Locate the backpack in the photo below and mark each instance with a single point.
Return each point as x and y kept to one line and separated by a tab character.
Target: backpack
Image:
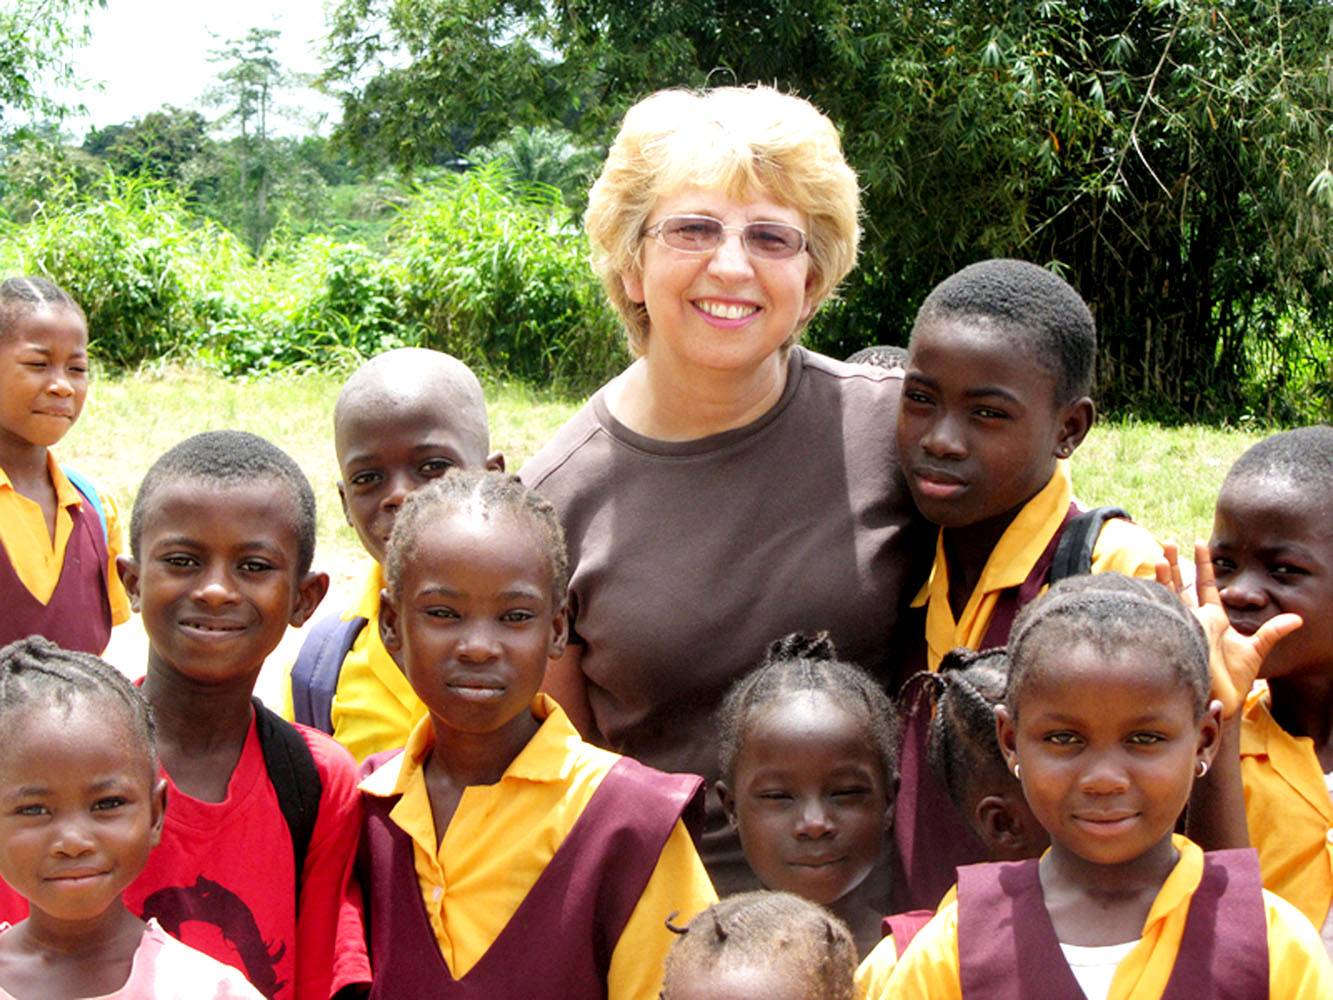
291	768
1073	553
317	668
81	483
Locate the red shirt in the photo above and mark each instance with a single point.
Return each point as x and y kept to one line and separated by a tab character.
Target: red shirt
222	879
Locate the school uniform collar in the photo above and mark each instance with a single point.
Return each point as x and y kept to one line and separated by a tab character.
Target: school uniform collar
1292	758
67	494
548	757
1018	549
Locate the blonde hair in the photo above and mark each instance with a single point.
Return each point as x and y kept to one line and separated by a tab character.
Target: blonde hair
742	140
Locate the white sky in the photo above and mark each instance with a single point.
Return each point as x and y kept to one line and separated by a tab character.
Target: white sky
147	53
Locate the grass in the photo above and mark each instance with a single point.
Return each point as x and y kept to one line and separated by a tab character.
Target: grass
1166	477
129	420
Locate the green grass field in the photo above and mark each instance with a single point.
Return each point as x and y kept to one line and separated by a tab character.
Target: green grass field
1166	477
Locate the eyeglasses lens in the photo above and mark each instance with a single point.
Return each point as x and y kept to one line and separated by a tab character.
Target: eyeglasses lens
700	234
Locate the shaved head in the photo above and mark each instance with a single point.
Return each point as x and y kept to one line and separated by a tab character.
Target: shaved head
412	376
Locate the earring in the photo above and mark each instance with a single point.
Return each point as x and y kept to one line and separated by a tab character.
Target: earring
1200	768
1018	772
1062	451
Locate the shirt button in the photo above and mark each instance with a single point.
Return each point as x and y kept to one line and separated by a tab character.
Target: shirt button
1329	836
437	892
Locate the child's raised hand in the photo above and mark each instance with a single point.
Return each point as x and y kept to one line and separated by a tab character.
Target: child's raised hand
1234	658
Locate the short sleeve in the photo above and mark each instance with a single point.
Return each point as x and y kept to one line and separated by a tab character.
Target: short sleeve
678	889
330	927
1126	547
1298	966
116	597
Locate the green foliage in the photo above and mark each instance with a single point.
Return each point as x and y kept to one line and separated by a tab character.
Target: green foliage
1173	159
499	277
36	37
160	144
541	155
477	264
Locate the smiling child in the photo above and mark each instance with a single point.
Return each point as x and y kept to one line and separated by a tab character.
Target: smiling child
255	864
60	536
808	768
1107	724
402	419
502	854
81	807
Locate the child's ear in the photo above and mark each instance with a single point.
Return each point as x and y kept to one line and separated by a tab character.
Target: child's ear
389	632
1075	421
1001	828
559	632
728	801
309	592
128	568
1210	734
495	461
159	811
1008	737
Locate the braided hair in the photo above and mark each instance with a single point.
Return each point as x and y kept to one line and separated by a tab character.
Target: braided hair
1110	612
760	928
800	662
488	495
961	748
35	672
22	296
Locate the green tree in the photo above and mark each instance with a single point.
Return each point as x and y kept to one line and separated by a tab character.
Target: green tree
159	144
247	90
541	155
36	38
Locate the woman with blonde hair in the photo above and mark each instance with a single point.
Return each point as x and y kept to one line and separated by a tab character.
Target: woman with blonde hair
729	486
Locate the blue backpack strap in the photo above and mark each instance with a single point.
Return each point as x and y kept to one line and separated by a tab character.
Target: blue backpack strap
318	664
81	483
1078	539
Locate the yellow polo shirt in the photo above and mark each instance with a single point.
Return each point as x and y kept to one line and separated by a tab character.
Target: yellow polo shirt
374	707
872	975
1122	547
38	558
502	837
1288	810
1298	966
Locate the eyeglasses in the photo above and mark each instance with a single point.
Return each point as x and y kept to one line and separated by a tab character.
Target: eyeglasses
704	234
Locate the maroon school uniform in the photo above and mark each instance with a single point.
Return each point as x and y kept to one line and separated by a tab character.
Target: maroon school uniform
559	942
78	615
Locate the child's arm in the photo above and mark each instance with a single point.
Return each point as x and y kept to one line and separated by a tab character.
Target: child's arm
330	938
1216	817
116	597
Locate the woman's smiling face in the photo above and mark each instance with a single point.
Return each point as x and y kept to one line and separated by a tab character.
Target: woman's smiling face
726	310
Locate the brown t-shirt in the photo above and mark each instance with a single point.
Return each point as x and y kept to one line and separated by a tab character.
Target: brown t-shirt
688	558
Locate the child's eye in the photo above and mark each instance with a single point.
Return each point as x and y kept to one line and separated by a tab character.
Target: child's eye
109	802
917	396
254	566
990	413
1223	566
441	611
518	615
180	561
31	809
774	795
1288	570
366	479
1146	739
850	792
436	467
1062	739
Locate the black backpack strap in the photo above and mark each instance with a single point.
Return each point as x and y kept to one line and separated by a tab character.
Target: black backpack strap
317	667
1073	554
291	768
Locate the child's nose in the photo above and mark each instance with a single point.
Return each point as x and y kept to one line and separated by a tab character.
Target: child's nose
1104	775
60	386
478	645
944	439
71	839
399	487
814	821
216	587
1243	590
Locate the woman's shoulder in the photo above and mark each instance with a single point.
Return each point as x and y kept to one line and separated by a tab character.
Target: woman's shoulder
574	437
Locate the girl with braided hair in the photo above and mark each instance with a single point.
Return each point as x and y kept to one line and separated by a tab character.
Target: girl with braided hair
81	807
774	945
809	762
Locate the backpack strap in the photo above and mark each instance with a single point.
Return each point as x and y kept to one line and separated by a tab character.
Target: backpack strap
291	768
1073	554
81	483
317	668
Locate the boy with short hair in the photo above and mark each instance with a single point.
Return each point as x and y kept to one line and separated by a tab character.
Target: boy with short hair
255	863
403	418
995	401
